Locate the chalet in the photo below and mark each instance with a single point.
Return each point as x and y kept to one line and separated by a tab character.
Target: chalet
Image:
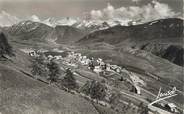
108	67
98	69
171	107
138	90
33	53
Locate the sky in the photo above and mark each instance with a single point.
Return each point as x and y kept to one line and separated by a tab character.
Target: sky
97	9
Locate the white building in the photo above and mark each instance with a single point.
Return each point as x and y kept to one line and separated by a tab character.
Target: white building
172	107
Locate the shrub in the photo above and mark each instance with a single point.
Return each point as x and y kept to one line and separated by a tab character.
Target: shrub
114	98
5	48
54	71
69	81
95	90
142	109
39	67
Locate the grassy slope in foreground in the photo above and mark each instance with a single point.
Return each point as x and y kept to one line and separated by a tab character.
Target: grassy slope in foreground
22	95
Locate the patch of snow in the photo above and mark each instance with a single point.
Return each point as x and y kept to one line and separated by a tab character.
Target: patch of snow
35	18
50	22
7	19
153	22
57	50
67	22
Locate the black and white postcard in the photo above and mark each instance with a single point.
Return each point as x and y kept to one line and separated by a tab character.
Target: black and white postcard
91	57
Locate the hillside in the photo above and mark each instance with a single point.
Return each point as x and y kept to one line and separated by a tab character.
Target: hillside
157	37
22	95
173	53
159	30
67	34
28	30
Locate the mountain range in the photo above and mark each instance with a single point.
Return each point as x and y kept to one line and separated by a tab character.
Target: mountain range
161	37
9	20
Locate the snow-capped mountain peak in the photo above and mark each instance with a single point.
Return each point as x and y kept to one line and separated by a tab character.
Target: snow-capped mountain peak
103	24
67	21
64	21
35	18
50	22
7	20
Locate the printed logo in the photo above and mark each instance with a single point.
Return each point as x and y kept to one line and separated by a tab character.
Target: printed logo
162	96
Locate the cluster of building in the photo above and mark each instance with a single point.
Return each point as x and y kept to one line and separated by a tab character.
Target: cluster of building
33	52
74	59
